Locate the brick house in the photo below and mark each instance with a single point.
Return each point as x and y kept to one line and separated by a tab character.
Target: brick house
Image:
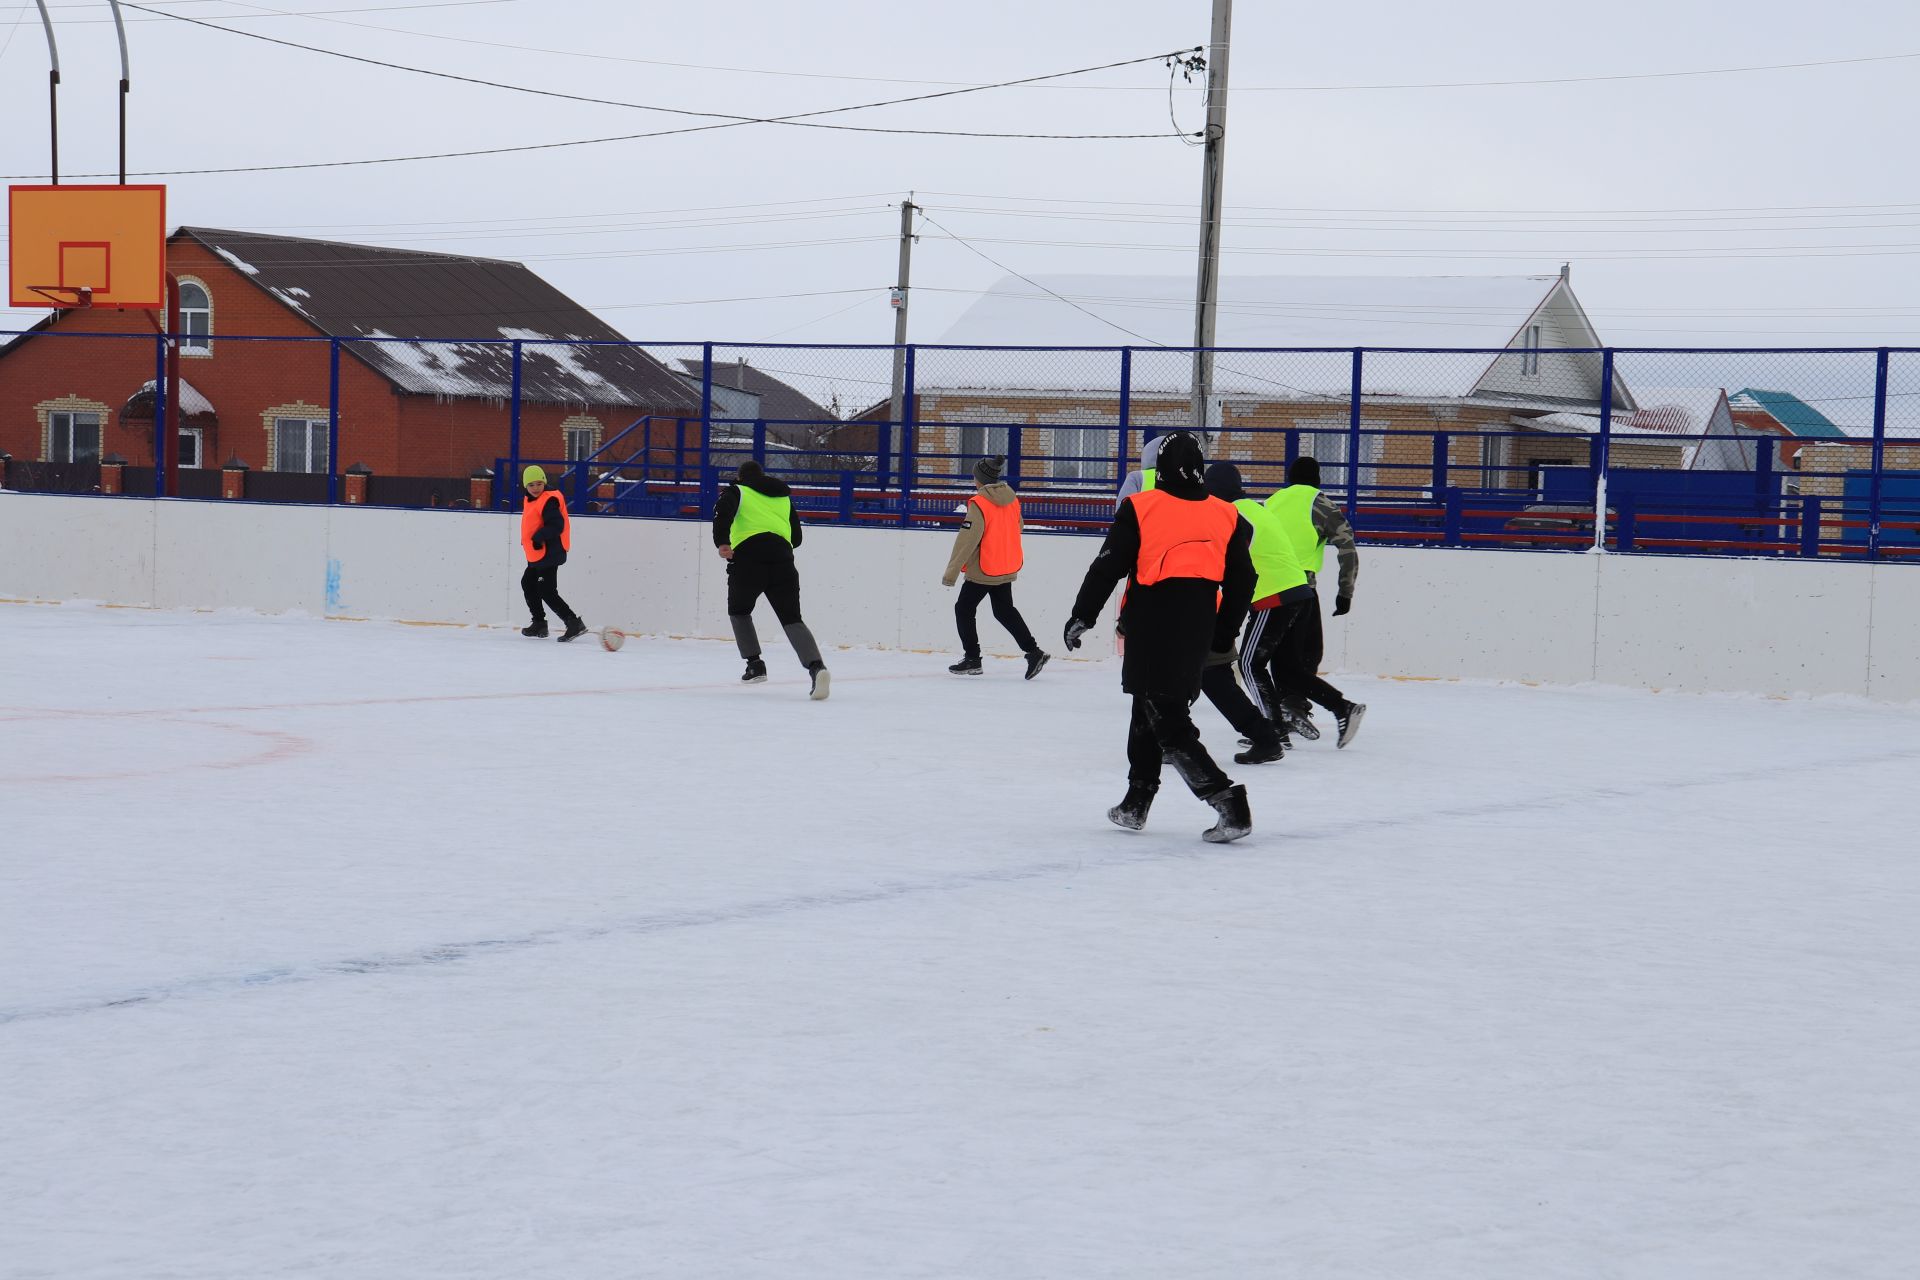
414	399
1504	415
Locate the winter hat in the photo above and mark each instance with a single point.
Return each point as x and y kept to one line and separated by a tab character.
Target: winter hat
1223	481
1181	461
1304	471
750	471
531	474
987	470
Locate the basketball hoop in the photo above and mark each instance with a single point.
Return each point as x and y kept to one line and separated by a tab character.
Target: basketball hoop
65	297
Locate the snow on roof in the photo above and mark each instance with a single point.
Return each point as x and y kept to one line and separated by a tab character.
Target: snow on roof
191	402
1679	410
1255	312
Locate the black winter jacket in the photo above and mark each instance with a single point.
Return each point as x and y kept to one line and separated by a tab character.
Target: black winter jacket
1173	625
547	537
763	547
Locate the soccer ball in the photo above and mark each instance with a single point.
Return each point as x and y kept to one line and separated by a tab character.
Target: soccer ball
611	640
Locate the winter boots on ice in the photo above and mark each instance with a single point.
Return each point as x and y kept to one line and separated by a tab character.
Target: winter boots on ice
822	682
1035	661
575	629
1262	753
537	629
756	672
1236	819
1131	812
966	667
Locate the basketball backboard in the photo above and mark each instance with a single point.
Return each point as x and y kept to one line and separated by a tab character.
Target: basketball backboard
99	246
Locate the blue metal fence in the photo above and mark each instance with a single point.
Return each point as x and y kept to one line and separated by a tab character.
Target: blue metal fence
1775	452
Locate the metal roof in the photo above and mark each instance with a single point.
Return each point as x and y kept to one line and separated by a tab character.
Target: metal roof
1790	411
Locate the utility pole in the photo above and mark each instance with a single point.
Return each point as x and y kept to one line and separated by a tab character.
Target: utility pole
53	90
1213	180
896	410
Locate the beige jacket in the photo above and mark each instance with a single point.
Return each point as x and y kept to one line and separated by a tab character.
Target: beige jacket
966	543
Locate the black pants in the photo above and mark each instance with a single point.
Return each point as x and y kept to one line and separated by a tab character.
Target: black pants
1231	701
1266	628
540	584
1000	598
1162	729
777	580
1296	663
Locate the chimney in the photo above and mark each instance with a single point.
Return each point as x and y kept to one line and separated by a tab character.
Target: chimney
1566	273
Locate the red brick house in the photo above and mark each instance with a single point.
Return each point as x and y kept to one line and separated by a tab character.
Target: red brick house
425	376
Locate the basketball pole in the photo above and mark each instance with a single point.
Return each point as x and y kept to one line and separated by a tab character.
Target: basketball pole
126	85
53	88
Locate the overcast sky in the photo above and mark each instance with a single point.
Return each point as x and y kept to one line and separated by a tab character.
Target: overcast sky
1773	207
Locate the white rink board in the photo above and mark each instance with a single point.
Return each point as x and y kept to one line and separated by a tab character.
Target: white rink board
1759	626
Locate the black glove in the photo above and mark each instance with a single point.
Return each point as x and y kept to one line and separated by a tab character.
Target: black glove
1075	629
540	539
1342	604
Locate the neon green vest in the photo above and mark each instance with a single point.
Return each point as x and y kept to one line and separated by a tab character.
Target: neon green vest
1294	506
1146	478
1273	560
760	514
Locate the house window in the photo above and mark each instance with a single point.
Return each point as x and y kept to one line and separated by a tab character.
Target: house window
190	444
1530	359
579	443
196	319
1082	453
300	444
977	443
73	437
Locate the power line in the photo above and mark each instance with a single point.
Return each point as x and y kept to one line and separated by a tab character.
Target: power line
276	13
1624	253
802	119
1178	204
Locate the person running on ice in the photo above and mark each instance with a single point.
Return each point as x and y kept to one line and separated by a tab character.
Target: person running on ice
1311	521
546	535
756	529
987	551
1183	554
1263	738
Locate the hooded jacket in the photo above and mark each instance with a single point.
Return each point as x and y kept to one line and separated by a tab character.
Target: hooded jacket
966	542
762	546
1135	481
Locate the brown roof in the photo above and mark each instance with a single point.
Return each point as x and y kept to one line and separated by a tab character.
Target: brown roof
445	320
778	400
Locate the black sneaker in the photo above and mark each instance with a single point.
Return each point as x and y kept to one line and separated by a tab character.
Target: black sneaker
1300	722
1349	722
1236	820
1131	812
1035	661
756	672
574	631
538	630
822	682
1261	755
966	667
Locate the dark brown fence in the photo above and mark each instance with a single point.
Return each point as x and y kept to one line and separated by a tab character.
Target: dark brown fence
54	477
416	491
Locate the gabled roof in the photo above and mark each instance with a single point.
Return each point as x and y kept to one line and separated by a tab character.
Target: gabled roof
1789	410
778	400
1255	311
366	291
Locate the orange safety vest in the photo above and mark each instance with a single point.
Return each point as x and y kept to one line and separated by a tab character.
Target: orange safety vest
530	520
999	553
1180	538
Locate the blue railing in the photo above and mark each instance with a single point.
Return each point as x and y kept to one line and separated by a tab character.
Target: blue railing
1777	452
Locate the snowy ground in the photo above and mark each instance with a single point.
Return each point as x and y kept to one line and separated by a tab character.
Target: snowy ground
353	950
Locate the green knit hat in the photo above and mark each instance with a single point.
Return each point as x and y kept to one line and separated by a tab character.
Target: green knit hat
531	474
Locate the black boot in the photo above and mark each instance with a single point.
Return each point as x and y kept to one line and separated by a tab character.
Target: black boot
1298	719
822	682
1262	752
575	629
1035	661
756	672
1131	812
1236	819
966	667
537	629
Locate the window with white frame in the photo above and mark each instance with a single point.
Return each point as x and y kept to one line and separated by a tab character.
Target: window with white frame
1082	453
300	444
191	442
1325	440
977	443
1530	358
73	437
196	319
580	443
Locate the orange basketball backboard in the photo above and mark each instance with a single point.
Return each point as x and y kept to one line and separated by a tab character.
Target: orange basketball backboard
87	246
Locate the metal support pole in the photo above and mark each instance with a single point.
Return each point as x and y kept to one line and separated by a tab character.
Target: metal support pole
167	444
709	494
1604	444
894	408
1874	487
1212	185
1126	413
159	410
126	85
907	460
333	421
511	481
53	91
1353	436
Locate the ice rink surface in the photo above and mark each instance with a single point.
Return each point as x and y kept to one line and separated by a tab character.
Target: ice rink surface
358	950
